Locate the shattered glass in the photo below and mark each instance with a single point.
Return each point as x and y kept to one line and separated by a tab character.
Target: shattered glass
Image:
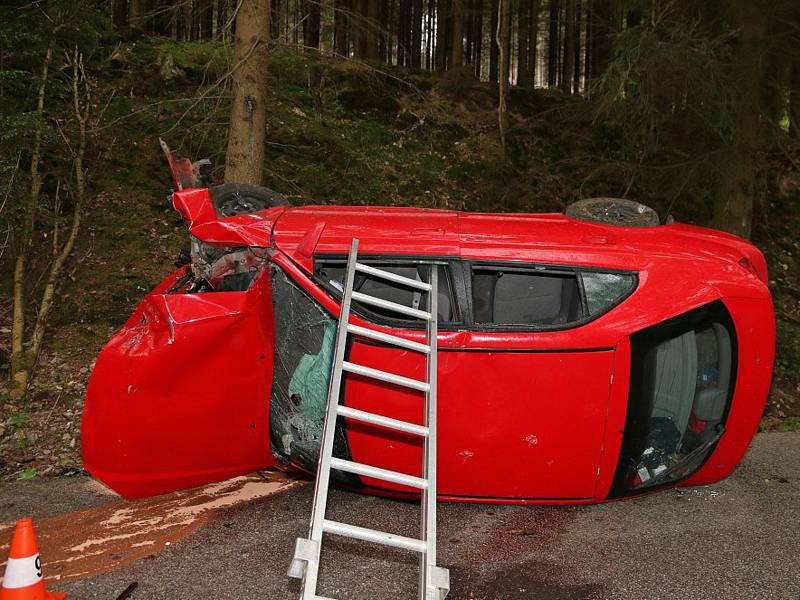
604	290
304	343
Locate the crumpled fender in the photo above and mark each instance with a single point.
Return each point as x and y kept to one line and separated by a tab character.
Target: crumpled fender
197	210
180	396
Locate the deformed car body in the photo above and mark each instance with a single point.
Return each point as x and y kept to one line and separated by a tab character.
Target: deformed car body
578	362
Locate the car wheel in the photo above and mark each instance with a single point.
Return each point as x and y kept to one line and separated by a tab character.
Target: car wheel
240	199
613	211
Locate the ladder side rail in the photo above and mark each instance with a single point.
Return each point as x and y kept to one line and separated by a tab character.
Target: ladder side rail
428	509
329	426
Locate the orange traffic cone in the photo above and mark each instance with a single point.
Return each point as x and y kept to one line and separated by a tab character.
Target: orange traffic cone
23	578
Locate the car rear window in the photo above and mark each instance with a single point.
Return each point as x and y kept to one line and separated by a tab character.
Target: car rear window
525	296
331	274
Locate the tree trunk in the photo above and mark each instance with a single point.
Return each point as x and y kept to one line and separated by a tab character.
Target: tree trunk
404	19
553	44
576	80
416	34
602	18
457	53
48	295
504	48
244	161
794	100
733	204
534	43
119	13
341	42
372	31
139	16
221	30
523	42
311	24
442	16
587	46
569	47
494	47
477	39
19	364
275	20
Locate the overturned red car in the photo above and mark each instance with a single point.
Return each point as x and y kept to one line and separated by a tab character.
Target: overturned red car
579	361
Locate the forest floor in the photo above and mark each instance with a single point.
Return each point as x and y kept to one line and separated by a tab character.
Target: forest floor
338	132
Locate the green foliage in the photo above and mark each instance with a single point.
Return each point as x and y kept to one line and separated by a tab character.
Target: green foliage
667	77
27	474
787	360
791	424
18	419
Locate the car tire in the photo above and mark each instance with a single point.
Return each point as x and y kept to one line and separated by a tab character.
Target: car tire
231	199
613	211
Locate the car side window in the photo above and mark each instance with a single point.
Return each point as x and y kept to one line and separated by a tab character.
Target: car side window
527	296
330	272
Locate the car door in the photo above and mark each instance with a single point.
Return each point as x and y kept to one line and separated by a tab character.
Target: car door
366	443
523	410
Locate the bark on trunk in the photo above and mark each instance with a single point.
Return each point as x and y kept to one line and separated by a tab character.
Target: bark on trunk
340	27
587	47
569	47
794	101
120	13
138	16
553	44
442	16
416	34
534	43
222	21
244	160
504	48
733	204
602	27
457	54
19	365
311	24
81	109
494	47
523	42
477	39
372	46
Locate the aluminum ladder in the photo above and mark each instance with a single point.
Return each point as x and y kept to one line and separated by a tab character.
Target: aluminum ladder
434	582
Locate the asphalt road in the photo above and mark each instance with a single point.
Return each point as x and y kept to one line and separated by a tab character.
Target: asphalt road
736	539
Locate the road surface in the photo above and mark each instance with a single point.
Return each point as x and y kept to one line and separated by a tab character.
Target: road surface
736	539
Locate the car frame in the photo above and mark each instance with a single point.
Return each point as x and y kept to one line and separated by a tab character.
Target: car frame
645	362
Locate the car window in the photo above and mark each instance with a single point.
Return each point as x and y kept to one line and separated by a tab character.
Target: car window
682	375
525	296
331	274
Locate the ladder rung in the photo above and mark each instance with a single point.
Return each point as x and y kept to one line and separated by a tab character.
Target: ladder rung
368	417
388	305
388	338
420	285
383	474
384	376
372	535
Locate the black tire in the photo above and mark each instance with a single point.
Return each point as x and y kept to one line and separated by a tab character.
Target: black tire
240	199
613	211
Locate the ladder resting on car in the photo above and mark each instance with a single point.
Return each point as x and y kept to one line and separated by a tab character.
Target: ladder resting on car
434	580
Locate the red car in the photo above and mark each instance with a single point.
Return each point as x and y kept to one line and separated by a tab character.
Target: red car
579	361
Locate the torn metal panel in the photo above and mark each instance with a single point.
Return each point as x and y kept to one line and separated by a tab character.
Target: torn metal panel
180	396
304	341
